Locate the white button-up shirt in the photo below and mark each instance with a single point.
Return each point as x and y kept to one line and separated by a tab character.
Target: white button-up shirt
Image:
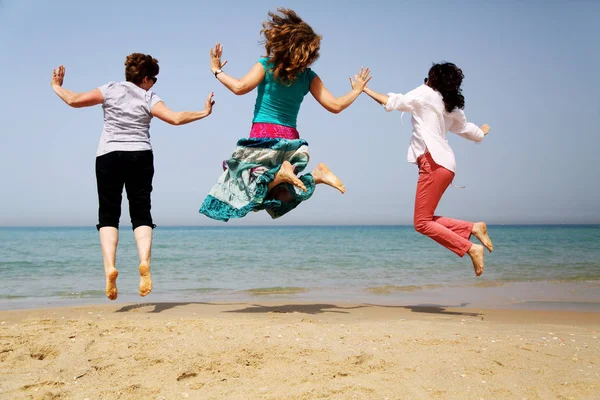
430	122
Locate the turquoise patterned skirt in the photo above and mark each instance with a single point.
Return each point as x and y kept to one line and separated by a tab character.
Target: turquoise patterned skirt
243	186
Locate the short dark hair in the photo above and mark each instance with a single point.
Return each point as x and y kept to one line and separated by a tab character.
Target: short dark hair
139	66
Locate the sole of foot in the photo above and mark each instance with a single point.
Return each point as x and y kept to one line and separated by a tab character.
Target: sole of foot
286	172
477	252
480	232
111	283
322	174
145	280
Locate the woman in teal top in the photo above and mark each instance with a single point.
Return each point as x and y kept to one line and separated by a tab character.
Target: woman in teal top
262	171
277	103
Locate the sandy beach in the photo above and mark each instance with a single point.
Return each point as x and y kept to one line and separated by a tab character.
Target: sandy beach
297	351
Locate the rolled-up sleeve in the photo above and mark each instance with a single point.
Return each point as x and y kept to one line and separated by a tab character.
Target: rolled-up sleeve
398	101
466	129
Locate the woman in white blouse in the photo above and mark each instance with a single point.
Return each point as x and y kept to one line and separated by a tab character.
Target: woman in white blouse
437	107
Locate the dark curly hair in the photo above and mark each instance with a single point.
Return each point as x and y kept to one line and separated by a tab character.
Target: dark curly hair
446	78
291	44
138	66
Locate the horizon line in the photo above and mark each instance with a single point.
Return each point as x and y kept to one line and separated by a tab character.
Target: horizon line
298	225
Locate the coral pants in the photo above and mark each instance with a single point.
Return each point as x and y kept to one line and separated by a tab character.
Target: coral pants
433	181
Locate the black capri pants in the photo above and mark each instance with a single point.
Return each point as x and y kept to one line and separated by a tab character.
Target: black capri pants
134	170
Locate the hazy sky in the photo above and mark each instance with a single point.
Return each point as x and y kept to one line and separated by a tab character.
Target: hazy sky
531	71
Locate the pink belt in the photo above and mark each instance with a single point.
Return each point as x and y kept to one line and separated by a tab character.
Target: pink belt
273	131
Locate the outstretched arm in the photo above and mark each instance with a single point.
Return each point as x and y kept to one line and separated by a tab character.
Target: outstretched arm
237	86
392	101
76	100
161	111
378	97
338	104
468	130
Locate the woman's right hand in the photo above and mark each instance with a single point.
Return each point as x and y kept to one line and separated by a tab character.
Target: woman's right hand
58	76
485	128
360	80
208	105
215	58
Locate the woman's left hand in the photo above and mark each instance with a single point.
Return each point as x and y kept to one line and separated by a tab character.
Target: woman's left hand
208	105
215	58
58	76
361	79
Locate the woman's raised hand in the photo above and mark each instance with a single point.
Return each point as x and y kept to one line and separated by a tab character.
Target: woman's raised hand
208	105
215	58
58	76
485	128
361	79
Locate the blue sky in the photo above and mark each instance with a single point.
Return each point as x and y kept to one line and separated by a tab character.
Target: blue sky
531	73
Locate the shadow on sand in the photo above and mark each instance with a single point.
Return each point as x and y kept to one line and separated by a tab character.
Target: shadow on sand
311	309
160	307
434	309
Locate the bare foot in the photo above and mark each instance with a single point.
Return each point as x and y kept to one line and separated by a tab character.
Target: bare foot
476	253
111	283
480	232
286	174
322	174
145	280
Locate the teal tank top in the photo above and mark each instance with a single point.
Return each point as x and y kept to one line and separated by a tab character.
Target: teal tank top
277	103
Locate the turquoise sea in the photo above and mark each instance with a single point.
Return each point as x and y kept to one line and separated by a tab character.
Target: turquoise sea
555	267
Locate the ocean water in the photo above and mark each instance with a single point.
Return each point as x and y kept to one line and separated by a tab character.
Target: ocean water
557	265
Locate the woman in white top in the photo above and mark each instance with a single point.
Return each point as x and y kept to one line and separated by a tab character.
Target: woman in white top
124	157
437	107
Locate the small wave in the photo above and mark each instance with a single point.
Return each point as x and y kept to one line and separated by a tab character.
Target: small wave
275	290
11	297
408	288
558	279
15	263
484	284
576	279
511	282
200	290
79	295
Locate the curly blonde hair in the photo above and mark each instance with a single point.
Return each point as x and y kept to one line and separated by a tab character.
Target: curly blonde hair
138	66
291	44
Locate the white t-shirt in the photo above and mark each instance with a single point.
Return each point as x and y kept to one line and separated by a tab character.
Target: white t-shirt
127	115
430	122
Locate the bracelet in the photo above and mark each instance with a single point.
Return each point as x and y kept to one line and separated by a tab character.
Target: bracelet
217	72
